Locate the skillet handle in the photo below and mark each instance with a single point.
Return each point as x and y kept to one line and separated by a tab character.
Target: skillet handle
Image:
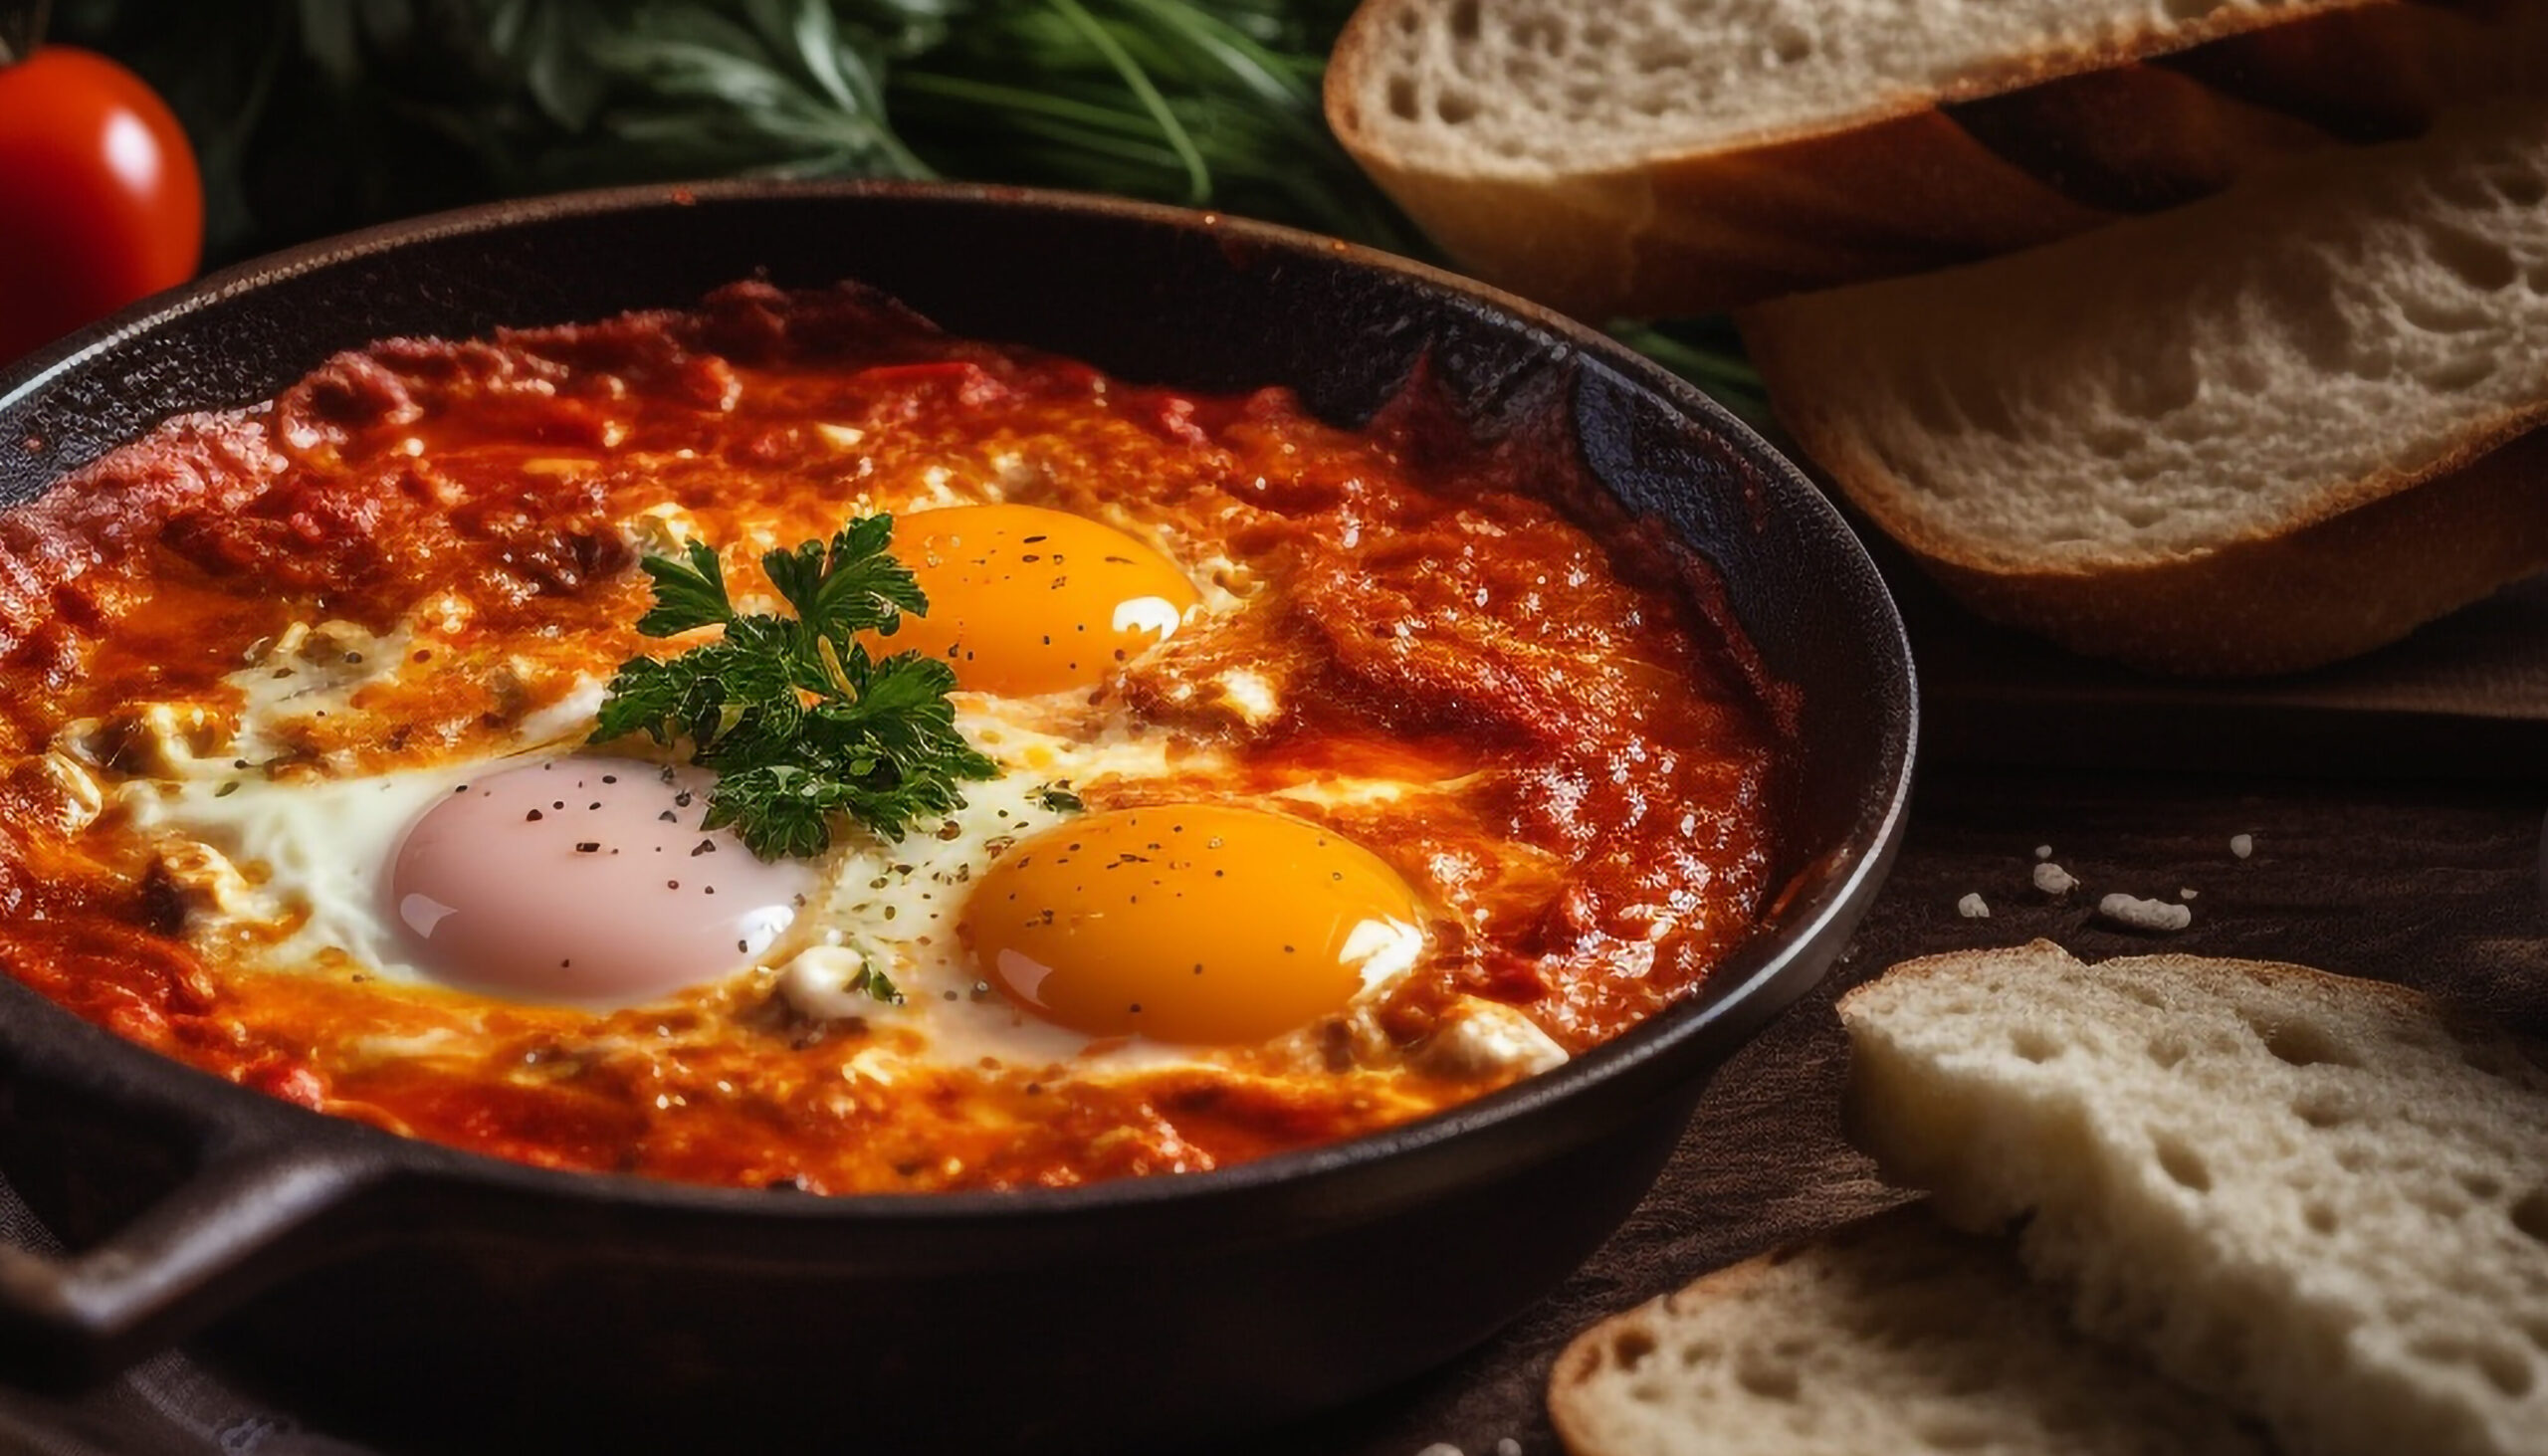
217	1238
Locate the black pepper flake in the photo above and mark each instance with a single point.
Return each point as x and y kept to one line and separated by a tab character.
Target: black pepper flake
711	890
704	846
669	817
588	846
534	817
672	884
681	800
557	805
595	805
610	778
744	946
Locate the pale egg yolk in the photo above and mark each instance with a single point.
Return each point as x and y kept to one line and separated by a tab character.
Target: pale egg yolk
584	881
1024	600
1203	924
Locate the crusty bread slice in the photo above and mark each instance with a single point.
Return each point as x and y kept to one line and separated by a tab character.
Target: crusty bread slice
2262	431
1892	1335
1672	157
2312	1195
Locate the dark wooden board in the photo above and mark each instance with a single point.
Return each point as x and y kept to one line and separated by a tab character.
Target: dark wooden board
2464	697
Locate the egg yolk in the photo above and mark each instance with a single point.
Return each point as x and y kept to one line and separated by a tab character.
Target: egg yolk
1203	924
1024	600
584	881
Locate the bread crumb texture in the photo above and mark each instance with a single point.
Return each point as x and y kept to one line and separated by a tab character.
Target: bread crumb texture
2228	370
1538	89
1892	1336
2312	1195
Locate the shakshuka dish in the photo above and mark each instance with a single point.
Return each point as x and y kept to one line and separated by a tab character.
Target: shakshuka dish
778	744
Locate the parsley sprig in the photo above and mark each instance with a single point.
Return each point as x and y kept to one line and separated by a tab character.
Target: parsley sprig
798	722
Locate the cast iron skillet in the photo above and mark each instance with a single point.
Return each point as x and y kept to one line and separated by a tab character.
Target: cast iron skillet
399	1287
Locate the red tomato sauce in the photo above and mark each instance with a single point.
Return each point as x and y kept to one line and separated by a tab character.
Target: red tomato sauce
1606	755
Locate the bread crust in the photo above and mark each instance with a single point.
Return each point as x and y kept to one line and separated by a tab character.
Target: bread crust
2353	581
1920	1325
2359	567
1902	184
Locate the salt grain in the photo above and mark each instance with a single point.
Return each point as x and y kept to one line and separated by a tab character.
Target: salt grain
2043	851
2145	915
2242	845
1972	908
2051	879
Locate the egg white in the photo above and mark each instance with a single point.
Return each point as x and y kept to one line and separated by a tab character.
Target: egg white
306	859
300	862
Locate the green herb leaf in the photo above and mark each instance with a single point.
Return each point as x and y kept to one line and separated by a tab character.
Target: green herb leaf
877	985
689	593
800	725
850	588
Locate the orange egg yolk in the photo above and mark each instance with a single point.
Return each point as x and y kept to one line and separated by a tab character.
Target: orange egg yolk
1190	922
1024	600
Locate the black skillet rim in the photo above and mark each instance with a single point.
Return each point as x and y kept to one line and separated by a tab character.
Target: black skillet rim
1635	1067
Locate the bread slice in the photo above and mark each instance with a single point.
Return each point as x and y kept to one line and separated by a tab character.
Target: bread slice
2311	1195
1674	156
2259	432
1892	1335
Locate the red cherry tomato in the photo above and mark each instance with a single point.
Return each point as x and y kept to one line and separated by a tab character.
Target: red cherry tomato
100	200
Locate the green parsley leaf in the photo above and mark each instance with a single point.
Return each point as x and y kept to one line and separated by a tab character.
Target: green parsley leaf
877	985
688	594
801	725
852	586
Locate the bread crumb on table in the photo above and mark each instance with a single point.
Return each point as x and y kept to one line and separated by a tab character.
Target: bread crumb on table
1973	908
2051	879
2145	915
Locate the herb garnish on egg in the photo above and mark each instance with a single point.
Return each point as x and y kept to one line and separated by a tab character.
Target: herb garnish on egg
795	717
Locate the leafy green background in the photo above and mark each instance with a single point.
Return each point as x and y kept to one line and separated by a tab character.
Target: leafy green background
313	116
